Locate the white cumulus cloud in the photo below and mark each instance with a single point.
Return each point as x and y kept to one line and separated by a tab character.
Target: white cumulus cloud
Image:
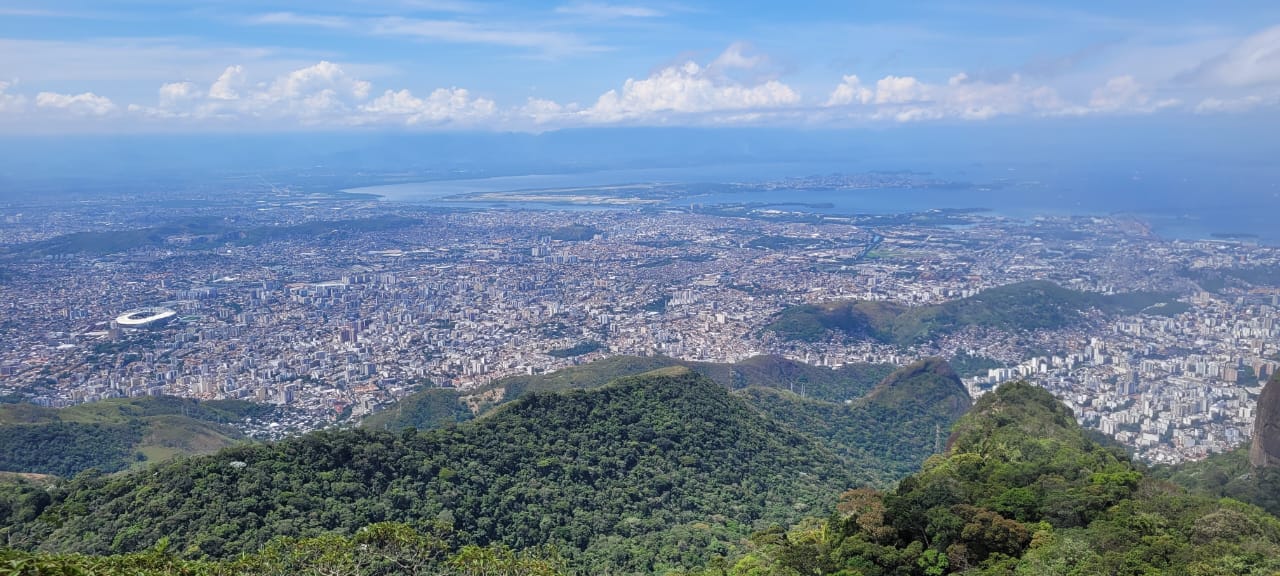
900	90
452	105
1118	92
175	93
736	86
322	77
227	86
1122	94
909	99
322	94
315	93
736	57
690	89
851	91
978	100
542	111
87	103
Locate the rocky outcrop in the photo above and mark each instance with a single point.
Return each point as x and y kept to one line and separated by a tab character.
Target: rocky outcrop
1265	451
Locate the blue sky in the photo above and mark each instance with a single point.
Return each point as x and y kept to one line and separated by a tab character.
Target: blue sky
196	66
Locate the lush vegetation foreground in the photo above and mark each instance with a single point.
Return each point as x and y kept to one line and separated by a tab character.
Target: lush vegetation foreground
1022	490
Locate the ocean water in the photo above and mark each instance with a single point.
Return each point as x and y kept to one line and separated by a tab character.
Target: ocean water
1192	202
718	173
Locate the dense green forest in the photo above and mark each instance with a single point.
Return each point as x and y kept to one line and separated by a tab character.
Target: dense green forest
383	549
888	433
1022	490
436	407
1228	475
1024	306
885	429
115	434
649	473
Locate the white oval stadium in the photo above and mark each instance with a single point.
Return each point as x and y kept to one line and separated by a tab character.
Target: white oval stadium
145	317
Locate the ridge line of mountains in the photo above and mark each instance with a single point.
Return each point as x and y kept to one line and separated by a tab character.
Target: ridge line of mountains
615	471
667	472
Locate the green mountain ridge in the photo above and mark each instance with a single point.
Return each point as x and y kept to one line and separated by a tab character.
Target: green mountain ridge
886	429
887	433
1024	306
618	476
115	434
436	407
941	389
1022	490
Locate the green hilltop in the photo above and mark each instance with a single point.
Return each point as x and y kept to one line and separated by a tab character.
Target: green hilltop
887	433
116	434
885	422
574	233
435	407
1022	490
645	474
649	475
1024	306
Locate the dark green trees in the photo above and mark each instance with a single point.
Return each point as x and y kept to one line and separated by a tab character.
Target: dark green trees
649	473
1022	491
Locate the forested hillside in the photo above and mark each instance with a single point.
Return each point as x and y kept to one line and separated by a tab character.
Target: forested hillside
884	421
626	480
436	407
1228	475
1023	306
115	434
383	549
888	433
646	474
1022	490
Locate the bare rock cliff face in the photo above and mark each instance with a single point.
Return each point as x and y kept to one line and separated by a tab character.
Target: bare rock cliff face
1266	426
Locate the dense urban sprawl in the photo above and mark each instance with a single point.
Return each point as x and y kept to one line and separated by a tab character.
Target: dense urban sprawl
334	324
